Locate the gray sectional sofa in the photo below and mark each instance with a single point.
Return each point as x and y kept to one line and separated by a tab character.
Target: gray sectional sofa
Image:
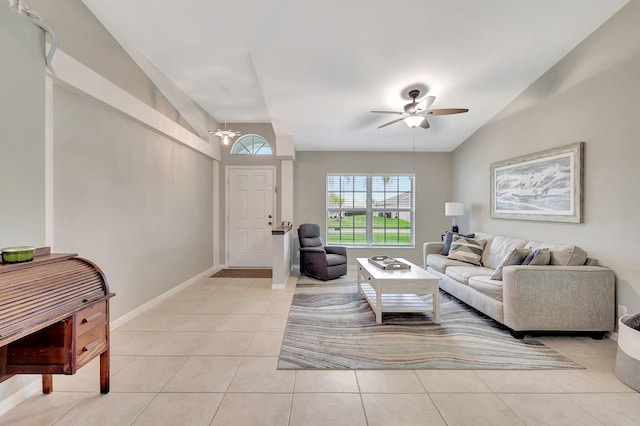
569	294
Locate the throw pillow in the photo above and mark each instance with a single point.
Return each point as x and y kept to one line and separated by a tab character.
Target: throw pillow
448	239
466	249
540	256
514	257
562	254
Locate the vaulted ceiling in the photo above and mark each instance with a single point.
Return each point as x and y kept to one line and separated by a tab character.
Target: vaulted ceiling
314	69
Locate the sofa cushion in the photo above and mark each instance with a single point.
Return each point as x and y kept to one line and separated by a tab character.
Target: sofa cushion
487	286
448	239
466	249
514	257
488	238
562	254
484	236
463	273
498	249
539	256
439	262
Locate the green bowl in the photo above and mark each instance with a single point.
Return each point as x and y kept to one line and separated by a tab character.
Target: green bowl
17	254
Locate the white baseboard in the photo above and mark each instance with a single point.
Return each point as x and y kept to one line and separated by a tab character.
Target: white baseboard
283	284
161	298
24	391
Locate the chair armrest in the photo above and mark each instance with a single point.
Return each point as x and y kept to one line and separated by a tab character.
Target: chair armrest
559	298
336	250
432	247
314	256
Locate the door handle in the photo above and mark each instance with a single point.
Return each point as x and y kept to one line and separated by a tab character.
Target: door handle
269	218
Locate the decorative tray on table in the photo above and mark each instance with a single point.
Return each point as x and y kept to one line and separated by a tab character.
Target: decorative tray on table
387	263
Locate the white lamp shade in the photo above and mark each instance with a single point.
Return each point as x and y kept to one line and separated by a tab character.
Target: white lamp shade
413	121
453	209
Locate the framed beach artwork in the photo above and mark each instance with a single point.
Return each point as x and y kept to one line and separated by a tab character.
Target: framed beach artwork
545	186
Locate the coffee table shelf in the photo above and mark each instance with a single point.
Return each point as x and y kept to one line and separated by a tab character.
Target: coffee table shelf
396	302
398	290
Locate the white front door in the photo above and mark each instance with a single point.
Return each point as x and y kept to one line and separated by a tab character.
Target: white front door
250	216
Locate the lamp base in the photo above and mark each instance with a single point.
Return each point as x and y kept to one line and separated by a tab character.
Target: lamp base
454	228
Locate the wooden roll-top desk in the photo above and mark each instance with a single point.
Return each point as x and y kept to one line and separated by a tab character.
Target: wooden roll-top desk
54	317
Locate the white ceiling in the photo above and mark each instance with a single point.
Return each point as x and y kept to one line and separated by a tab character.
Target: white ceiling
314	69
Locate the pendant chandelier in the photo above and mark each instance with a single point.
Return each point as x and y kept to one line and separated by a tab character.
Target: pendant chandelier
225	135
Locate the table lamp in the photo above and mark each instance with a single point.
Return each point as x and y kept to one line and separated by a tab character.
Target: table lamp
454	209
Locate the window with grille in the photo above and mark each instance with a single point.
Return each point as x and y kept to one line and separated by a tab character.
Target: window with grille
370	210
252	145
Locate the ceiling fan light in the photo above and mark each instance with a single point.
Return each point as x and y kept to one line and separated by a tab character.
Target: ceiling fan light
413	121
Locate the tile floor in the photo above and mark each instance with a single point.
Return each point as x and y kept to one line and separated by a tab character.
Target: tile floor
208	356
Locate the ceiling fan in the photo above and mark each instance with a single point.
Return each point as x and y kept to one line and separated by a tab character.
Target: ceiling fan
415	113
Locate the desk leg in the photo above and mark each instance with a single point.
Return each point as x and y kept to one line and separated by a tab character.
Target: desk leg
47	383
359	286
104	372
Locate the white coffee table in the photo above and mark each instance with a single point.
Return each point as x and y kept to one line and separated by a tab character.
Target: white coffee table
397	290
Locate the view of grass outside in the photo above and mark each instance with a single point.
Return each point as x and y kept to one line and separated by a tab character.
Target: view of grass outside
353	230
378	206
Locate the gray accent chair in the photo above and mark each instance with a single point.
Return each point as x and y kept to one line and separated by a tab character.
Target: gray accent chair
316	259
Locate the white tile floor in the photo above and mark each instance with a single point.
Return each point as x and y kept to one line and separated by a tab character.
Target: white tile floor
208	356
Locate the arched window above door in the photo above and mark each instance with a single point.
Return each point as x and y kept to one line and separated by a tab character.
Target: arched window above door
252	145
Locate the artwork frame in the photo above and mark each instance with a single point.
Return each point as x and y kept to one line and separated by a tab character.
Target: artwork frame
543	186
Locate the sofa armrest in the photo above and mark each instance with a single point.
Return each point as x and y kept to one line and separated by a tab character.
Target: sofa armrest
336	250
432	247
580	298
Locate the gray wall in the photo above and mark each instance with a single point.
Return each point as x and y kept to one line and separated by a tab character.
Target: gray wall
134	202
433	189
82	36
22	147
591	96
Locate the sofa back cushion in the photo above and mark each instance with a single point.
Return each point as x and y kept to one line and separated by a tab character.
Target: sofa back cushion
562	254
484	236
466	249
498	249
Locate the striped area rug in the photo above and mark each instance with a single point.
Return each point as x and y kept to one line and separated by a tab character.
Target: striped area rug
331	326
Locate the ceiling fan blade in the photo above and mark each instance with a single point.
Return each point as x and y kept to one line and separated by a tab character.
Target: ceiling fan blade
425	124
424	104
387	112
411	107
391	122
447	111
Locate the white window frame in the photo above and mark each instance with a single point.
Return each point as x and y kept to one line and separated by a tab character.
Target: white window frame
253	150
370	210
